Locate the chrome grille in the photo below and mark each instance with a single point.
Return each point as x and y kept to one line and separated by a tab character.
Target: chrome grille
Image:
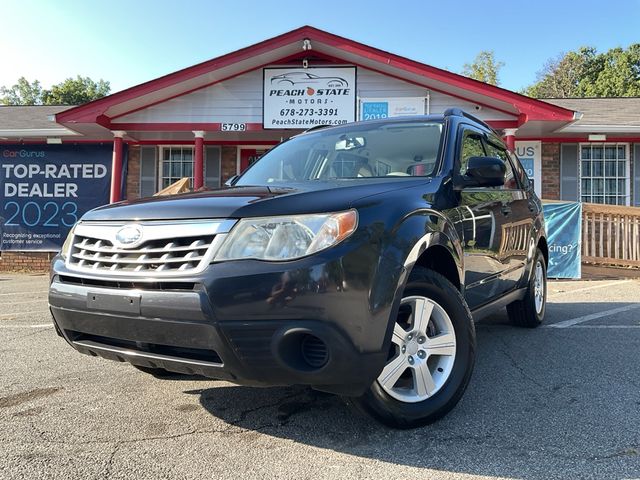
165	248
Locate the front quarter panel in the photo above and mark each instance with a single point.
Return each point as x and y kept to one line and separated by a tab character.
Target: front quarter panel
401	227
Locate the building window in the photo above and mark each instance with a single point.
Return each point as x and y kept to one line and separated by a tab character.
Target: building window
176	162
604	173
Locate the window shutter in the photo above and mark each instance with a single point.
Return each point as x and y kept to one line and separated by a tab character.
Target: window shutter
148	169
569	172
212	167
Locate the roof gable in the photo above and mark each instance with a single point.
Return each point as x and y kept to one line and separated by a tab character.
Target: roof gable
288	47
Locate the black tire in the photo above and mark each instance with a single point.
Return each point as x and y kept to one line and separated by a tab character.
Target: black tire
390	411
156	372
523	313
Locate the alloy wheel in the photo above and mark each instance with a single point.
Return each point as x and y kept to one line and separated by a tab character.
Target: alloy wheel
539	287
423	350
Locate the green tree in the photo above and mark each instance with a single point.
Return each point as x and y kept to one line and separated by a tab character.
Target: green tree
561	76
70	92
76	91
587	73
484	68
616	73
22	93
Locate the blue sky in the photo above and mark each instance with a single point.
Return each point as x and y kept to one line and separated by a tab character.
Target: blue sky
129	42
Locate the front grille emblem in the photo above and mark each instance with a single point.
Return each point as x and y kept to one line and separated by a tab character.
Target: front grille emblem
129	235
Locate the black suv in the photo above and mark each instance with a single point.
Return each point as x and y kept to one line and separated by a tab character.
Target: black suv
353	259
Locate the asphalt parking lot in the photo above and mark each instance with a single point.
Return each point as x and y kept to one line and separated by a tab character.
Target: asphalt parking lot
562	401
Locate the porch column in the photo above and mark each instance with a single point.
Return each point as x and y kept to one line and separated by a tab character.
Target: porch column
198	164
116	167
510	138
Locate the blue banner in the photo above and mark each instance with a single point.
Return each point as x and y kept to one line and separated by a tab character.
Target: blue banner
564	235
45	189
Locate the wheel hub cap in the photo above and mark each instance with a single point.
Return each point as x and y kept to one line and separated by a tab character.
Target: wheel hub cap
412	347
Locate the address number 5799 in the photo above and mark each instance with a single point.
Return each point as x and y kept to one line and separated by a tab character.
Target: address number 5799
233	127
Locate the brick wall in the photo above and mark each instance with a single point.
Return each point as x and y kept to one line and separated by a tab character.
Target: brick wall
228	162
25	261
551	171
133	174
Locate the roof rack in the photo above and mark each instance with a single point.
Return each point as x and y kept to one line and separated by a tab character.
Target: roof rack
458	112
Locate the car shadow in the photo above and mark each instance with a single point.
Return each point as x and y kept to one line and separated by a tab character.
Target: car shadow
532	410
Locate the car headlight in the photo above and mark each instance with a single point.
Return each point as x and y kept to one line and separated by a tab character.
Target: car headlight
66	246
286	238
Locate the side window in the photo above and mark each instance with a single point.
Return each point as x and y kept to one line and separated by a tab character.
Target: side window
510	181
471	147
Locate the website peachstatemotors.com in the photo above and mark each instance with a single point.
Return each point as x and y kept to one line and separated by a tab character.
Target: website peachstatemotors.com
306	122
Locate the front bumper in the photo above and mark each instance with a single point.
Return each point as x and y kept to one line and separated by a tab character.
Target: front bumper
249	322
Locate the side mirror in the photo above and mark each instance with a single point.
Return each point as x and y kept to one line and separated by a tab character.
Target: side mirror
231	181
484	172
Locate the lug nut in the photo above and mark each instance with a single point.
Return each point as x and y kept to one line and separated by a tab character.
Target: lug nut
411	360
421	354
421	339
404	348
410	336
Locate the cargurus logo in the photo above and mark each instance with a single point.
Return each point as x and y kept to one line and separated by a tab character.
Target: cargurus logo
23	154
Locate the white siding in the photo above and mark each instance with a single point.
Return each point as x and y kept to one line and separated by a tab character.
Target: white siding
239	100
439	102
376	85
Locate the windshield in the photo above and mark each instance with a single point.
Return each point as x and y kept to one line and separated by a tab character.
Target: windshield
358	151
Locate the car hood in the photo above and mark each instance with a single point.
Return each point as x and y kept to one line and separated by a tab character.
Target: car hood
253	201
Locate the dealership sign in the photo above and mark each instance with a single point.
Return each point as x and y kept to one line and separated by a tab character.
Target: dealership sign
307	97
45	189
530	155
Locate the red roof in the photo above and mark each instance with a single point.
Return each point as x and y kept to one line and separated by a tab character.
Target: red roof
325	45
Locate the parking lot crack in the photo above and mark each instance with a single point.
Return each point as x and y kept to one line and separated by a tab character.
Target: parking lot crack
108	466
150	438
514	363
632	451
31	334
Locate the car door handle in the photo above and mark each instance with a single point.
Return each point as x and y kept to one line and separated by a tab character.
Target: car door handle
506	209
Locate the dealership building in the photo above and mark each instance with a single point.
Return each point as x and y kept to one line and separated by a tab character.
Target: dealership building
212	120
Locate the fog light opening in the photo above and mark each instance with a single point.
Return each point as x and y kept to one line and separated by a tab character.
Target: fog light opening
302	351
314	351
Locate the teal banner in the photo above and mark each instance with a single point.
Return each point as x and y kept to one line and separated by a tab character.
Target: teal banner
564	235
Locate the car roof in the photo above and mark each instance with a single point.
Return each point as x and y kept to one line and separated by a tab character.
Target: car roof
455	114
